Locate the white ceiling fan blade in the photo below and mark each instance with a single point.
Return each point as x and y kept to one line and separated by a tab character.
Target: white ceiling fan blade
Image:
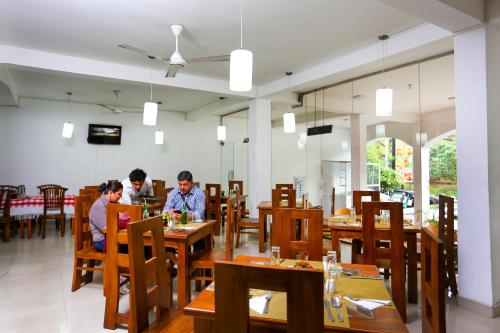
208	59
172	70
141	51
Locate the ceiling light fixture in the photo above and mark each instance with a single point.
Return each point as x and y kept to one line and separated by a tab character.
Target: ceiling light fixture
383	104
241	63
68	127
159	137
289	122
150	108
221	133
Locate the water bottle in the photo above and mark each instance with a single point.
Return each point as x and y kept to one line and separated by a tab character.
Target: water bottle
184	214
145	211
353	215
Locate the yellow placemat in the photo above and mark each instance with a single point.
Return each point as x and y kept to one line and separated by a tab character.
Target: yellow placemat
342	218
365	288
189	226
277	304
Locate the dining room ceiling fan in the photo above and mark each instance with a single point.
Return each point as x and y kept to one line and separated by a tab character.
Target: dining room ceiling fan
114	109
175	61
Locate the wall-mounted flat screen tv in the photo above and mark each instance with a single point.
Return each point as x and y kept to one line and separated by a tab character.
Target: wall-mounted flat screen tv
104	134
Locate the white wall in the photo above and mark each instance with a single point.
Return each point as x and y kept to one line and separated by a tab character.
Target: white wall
37	154
288	161
236	131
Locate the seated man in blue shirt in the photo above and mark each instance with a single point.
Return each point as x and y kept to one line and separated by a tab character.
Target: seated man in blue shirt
186	193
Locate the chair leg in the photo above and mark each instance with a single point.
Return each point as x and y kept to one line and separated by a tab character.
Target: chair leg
21	227
29	223
89	275
77	275
237	235
44	226
63	223
6	231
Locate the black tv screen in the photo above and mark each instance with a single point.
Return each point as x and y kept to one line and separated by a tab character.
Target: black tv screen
104	134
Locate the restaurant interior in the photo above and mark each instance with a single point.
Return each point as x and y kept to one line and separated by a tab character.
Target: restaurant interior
343	154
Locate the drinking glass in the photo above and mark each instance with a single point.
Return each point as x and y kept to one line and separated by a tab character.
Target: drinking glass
275	255
157	212
353	215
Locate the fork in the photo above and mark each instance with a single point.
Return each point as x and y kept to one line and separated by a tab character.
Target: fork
267	297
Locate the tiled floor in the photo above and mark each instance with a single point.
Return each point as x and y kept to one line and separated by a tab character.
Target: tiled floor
35	291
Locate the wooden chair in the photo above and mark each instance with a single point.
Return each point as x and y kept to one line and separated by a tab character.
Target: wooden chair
92	187
432	283
392	257
5	218
149	278
277	202
158	186
304	290
357	198
214	210
116	263
292	242
236	186
203	266
245	225
53	206
85	256
447	235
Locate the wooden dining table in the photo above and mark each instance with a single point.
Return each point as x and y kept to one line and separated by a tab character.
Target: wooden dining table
341	230
182	239
386	319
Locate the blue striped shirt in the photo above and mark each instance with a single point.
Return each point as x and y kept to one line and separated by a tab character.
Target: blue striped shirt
195	201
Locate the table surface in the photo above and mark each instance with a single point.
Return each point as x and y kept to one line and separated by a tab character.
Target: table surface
386	319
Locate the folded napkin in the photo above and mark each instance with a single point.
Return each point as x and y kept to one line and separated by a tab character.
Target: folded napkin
369	304
257	304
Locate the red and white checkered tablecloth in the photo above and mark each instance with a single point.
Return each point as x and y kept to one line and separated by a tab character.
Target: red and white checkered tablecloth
33	205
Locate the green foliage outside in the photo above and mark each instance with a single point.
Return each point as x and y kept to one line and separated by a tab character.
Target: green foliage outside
443	161
375	153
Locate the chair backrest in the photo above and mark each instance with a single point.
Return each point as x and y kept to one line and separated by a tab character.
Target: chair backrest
333	201
92	187
236	186
395	251
233	218
53	197
12	188
154	270
83	235
357	198
308	242
213	195
158	186
432	290
284	187
342	211
196	184
284	198
94	194
5	195
446	228
304	290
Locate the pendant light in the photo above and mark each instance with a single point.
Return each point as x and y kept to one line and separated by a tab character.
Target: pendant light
383	104
241	63
289	122
68	127
159	137
150	108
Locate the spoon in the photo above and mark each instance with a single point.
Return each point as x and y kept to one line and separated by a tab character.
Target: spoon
337	303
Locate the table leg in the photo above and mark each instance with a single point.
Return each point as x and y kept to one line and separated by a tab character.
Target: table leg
21	225
203	325
262	221
30	222
183	283
262	228
411	243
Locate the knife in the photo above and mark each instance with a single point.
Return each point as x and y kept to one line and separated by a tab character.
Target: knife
327	307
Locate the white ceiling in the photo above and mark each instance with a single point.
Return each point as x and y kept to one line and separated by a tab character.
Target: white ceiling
284	35
55	85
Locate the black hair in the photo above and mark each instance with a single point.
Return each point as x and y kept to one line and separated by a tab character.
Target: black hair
185	175
137	175
113	186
